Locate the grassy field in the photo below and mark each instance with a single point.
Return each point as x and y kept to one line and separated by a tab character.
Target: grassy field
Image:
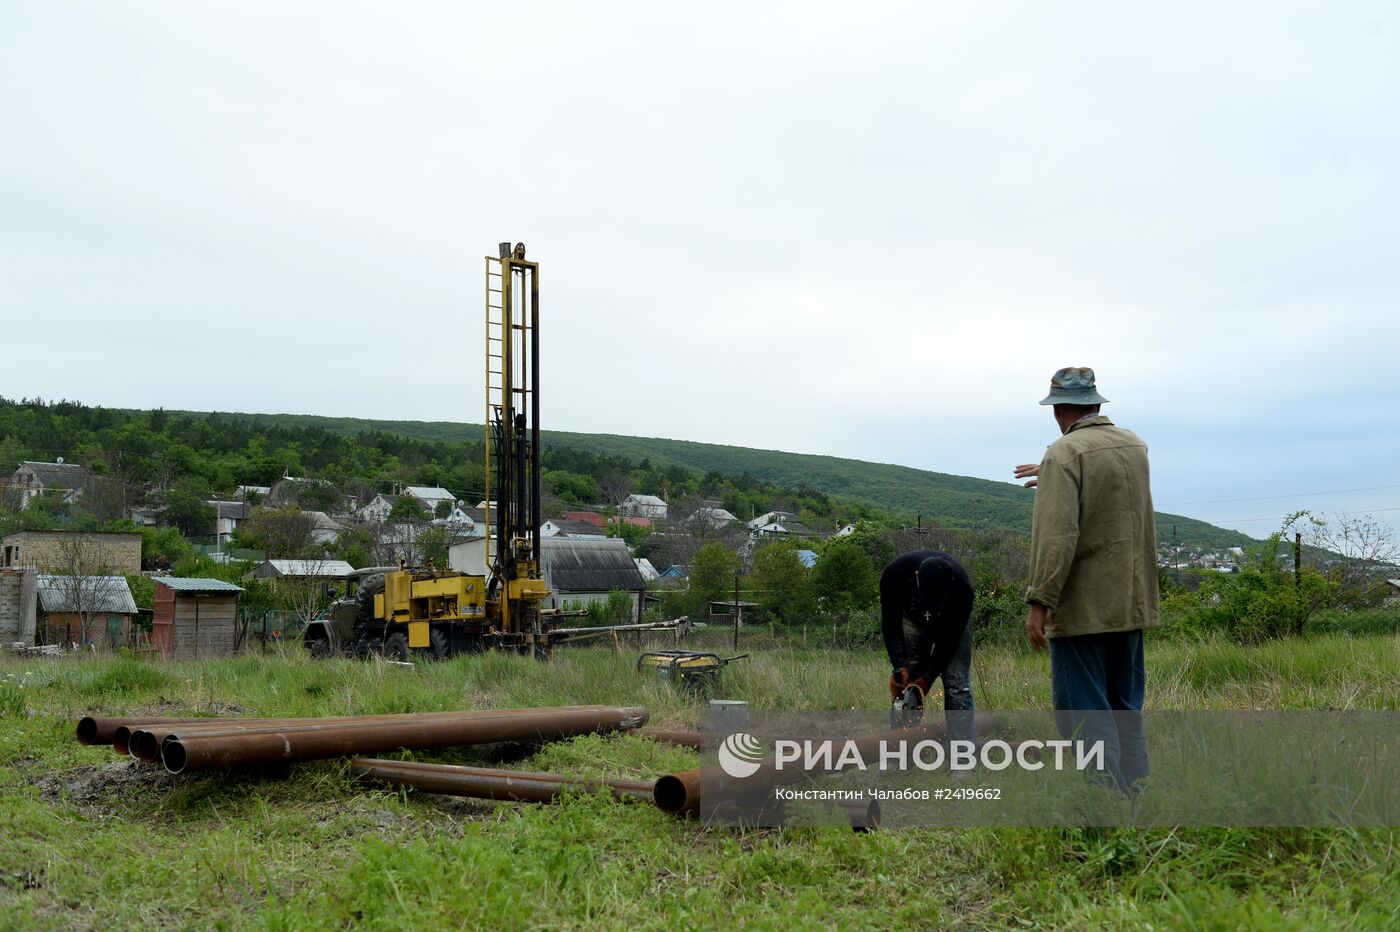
87	840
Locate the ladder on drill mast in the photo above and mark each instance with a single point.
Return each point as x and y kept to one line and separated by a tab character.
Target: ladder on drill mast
512	422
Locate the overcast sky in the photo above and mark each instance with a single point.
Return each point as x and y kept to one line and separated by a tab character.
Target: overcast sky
869	230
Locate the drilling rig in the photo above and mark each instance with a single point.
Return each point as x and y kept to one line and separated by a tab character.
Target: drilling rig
396	612
516	582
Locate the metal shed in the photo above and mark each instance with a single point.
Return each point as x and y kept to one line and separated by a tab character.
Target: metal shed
195	617
580	571
102	603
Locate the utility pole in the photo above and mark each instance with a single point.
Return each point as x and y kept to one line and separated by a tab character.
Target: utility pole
1298	579
736	608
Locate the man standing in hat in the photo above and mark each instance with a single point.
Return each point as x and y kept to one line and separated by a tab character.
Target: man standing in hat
1093	579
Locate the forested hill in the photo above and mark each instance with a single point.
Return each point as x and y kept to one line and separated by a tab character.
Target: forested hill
957	501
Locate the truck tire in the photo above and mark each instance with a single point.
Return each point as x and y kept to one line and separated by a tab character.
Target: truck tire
441	643
396	648
364	601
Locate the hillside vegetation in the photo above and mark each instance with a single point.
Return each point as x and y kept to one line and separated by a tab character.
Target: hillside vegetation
954	501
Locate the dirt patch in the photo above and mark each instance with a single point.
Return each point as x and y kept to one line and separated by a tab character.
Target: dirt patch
93	789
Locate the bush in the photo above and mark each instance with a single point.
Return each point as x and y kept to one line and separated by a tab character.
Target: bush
1259	603
619	609
998	610
857	630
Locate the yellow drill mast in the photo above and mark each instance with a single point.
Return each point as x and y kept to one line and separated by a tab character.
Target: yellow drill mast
516	585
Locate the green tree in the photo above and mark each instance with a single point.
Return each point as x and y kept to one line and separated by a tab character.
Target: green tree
874	539
712	575
632	533
783	583
186	508
282	533
574	489
845	578
165	547
407	510
356	547
433	544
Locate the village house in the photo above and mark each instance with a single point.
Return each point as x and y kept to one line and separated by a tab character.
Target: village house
377	509
771	517
61	551
644	506
300	570
430	496
578	571
324	528
60	479
459	521
782	529
710	515
227	517
560	527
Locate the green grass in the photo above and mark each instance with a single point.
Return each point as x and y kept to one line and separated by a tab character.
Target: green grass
87	840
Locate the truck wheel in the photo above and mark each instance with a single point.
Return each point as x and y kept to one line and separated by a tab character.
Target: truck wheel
370	586
318	648
396	648
441	643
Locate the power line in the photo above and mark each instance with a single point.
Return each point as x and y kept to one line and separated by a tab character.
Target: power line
1265	498
1276	517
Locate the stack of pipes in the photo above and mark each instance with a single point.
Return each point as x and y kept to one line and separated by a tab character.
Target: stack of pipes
185	745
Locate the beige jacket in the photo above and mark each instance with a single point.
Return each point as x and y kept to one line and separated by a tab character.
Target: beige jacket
1093	539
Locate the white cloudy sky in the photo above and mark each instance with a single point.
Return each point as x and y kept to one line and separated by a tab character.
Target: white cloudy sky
870	230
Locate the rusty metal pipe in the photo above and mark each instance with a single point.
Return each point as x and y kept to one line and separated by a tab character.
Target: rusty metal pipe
677	736
289	745
485	783
145	744
680	792
94	729
103	729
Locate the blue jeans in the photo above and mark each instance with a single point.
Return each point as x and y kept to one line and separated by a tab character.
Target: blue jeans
957	677
1097	681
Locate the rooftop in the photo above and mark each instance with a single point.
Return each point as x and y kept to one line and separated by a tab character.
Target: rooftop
590	565
57	475
106	594
577	528
195	584
430	492
331	569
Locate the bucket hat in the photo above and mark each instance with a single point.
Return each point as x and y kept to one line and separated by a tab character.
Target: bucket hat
1073	385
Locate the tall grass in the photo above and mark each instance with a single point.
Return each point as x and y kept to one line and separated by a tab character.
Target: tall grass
88	841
